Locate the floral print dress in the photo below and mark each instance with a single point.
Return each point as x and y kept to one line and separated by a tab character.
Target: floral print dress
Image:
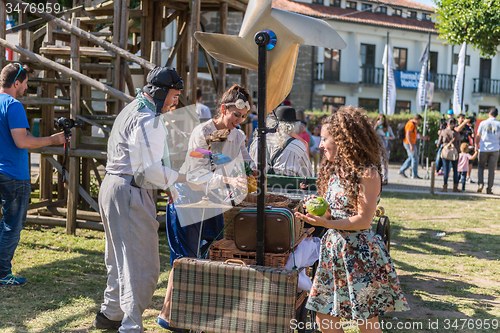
355	278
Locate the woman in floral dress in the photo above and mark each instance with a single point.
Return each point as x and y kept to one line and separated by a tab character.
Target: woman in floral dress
355	278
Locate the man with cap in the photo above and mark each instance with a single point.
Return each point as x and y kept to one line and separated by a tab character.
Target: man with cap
137	163
285	154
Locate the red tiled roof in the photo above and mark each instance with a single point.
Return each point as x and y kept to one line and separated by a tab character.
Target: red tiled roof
350	15
406	4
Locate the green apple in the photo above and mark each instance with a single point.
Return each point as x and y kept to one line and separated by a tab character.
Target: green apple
317	206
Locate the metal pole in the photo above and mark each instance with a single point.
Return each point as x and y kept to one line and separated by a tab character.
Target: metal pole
261	39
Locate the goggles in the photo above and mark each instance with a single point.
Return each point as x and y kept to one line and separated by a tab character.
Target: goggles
177	86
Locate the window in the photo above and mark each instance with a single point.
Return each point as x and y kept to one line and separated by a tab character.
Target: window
436	107
366	6
485	109
455	59
426	17
368	55
318	1
402	107
332	65
397	12
350	4
412	14
329	102
381	10
370	105
434	61
335	3
400	56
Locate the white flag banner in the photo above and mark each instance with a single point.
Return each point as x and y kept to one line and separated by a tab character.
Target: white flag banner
459	83
389	93
424	61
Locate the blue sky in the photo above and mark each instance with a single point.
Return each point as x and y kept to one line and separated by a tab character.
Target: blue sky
425	2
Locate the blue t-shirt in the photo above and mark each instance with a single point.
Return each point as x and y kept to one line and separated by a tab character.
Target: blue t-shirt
14	162
490	135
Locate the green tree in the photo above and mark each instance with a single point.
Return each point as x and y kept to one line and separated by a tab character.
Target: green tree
476	22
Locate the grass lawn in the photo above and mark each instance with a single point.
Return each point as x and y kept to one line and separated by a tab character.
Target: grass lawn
451	280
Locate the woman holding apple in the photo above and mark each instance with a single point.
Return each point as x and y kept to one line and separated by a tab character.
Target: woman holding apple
355	278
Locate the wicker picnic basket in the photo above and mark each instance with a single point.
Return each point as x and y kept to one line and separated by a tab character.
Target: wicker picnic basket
226	249
273	200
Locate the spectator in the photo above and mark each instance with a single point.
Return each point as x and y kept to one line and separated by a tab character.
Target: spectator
488	144
444	123
303	133
386	135
450	135
202	110
409	142
464	162
285	154
314	150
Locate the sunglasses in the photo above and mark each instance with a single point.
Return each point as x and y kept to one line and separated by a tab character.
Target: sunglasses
21	68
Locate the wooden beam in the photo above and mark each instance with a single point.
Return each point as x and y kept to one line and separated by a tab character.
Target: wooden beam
170	18
180	39
74	162
60	222
211	69
88	36
3	19
236	5
221	67
89	153
81	191
193	68
73	74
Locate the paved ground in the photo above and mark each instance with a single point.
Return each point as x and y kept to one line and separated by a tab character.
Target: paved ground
408	185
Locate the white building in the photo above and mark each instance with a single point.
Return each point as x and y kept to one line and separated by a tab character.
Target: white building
354	76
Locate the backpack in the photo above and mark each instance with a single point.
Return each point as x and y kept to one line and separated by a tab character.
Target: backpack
401	133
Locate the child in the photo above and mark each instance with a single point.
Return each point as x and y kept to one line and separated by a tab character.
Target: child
463	162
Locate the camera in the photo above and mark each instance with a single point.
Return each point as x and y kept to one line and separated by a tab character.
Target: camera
67	124
472	120
442	123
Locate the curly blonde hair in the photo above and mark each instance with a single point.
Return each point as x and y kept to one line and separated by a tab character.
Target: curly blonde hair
358	148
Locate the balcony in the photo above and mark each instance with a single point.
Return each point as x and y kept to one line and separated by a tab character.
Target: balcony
326	76
372	75
443	81
486	86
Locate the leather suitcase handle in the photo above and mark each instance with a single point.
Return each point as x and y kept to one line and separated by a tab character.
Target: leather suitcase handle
235	261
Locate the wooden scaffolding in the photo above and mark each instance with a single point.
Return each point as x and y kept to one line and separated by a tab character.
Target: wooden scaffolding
84	59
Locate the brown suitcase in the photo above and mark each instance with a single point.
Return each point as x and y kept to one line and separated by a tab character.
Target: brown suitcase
278	234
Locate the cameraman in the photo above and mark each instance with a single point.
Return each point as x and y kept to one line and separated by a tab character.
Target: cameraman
467	136
15	185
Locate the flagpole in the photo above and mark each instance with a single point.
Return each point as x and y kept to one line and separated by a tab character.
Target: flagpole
463	82
422	143
387	77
